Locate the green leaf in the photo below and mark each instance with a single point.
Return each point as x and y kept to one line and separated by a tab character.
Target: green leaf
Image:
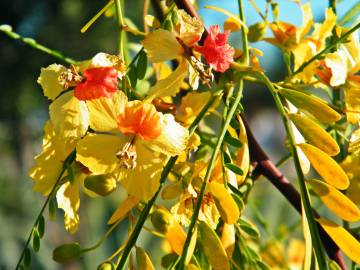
132	76
238	200
262	265
27	258
333	265
248	228
232	141
168	259
52	209
141	65
71	173
67	253
36	240
41	226
234	168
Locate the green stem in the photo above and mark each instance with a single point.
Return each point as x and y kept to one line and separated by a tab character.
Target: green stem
342	39
319	251
7	29
145	212
245	45
208	174
103	238
120	18
332	4
67	163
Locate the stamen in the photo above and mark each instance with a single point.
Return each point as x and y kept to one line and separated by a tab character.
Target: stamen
127	155
70	78
203	70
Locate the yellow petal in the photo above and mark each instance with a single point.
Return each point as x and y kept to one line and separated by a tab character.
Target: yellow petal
315	134
307	238
242	155
191	105
324	30
103	112
173	139
49	163
103	60
307	21
169	86
129	203
50	80
352	102
143	260
69	116
171	191
68	199
45	172
352	169
143	180
226	205
311	104
228	239
98	152
336	201
176	238
346	242
161	45
212	247
326	166
338	66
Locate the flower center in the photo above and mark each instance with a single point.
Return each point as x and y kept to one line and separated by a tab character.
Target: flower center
140	119
127	155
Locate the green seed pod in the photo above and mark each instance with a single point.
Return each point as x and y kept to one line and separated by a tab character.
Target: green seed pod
257	31
100	184
106	266
67	253
161	220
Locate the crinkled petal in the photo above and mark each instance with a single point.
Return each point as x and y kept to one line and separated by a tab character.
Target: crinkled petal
50	80
104	111
69	116
68	199
173	138
98	152
161	45
143	181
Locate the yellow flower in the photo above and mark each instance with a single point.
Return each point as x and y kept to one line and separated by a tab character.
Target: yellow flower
136	152
69	111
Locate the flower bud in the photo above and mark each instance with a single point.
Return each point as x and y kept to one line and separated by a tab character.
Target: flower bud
67	253
100	184
257	31
106	266
161	220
